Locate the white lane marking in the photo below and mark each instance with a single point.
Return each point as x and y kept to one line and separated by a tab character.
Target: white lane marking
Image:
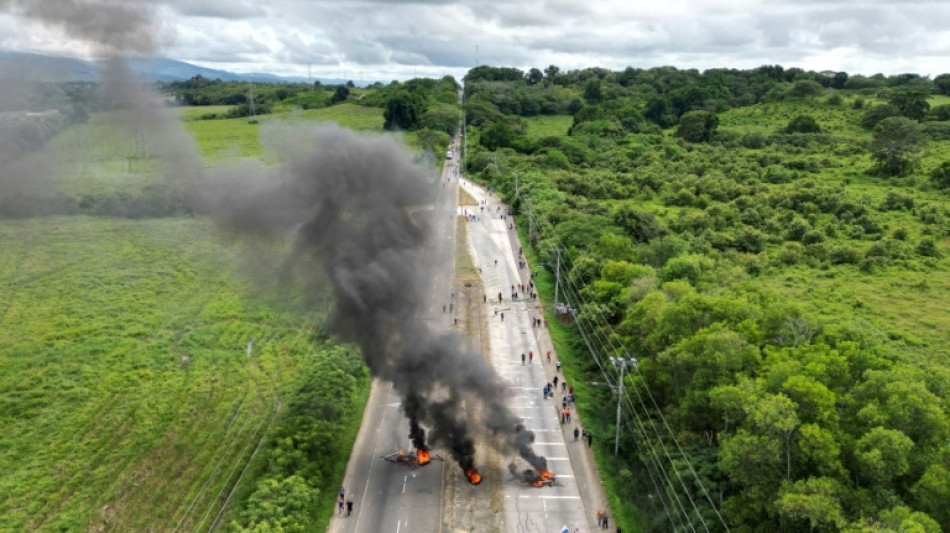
560	497
565	475
398	524
404	483
558	458
550	443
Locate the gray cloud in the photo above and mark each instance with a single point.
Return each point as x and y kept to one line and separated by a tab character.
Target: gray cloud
224	9
403	36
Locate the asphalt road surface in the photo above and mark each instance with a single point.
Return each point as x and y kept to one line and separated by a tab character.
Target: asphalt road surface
495	249
391	497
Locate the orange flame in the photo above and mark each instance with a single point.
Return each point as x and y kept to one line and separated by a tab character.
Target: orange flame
544	475
423	456
473	476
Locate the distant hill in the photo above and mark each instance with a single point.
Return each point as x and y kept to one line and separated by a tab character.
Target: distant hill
39	67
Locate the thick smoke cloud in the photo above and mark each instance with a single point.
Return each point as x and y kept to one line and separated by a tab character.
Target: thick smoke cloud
113	27
353	205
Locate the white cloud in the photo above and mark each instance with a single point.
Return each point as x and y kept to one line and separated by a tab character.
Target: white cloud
385	39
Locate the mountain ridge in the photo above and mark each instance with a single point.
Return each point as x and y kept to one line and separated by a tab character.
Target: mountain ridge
50	68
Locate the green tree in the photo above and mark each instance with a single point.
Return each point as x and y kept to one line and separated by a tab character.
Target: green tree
912	105
551	73
697	126
815	500
805	88
534	76
441	117
942	84
940	176
404	110
498	135
895	142
593	92
878	113
882	455
340	94
803	124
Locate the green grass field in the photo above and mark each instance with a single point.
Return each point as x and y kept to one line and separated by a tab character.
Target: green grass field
223	139
103	420
548	125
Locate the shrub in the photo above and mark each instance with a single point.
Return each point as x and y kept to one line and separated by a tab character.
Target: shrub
928	248
803	124
896	201
940	176
843	254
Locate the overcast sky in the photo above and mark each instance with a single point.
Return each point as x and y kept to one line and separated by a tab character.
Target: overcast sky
397	39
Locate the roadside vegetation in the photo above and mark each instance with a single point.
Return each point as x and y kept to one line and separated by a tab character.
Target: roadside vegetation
771	245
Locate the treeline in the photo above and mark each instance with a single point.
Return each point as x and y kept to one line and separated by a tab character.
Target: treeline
153	201
302	463
792	420
201	91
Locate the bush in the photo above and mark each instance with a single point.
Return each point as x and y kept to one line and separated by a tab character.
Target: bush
843	254
928	248
878	113
940	176
803	124
896	201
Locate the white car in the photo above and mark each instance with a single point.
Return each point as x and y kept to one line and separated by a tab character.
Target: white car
448	155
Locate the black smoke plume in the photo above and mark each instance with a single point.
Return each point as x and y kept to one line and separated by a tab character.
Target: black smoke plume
355	207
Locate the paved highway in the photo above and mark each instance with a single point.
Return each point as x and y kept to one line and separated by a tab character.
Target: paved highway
495	249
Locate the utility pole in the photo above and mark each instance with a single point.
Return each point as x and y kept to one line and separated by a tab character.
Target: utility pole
530	222
622	362
557	274
250	98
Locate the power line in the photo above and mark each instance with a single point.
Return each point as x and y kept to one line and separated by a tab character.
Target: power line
615	349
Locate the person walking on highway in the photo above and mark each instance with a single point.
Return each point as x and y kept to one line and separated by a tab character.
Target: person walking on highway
555	382
577	433
349	507
339	505
558	365
502	317
606	520
590	439
530	357
549	356
564	386
522	358
567	412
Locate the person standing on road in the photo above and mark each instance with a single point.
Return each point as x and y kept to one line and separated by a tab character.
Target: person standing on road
522	358
502	317
606	520
549	356
590	439
349	507
555	382
530	357
564	386
339	505
577	433
558	365
567	412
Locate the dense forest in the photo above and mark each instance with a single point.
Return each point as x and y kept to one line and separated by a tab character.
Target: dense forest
770	245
